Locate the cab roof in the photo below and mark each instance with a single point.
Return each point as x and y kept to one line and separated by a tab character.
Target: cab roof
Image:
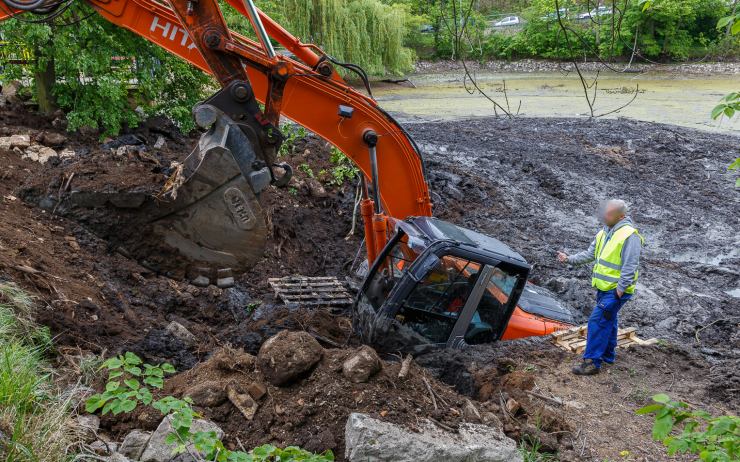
433	229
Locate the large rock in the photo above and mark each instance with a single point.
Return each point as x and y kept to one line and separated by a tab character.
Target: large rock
207	394
288	356
362	365
134	443
52	139
371	439
157	450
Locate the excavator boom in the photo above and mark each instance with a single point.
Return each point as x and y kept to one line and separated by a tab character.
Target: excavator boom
307	90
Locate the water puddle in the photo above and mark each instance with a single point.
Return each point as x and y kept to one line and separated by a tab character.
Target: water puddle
666	98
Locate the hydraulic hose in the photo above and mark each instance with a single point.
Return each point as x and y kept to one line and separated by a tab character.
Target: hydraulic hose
24	5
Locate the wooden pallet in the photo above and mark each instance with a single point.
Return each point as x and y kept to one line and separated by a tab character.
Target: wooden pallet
311	291
575	339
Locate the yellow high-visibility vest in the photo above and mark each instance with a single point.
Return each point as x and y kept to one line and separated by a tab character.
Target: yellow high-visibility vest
608	267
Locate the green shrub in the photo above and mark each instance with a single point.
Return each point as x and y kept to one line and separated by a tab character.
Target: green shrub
684	430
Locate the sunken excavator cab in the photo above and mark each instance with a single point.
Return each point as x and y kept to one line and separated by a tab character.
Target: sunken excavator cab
438	285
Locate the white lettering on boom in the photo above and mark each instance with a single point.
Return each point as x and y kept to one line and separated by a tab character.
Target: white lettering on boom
170	32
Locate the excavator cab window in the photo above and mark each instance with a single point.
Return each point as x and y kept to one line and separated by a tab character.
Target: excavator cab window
492	308
435	303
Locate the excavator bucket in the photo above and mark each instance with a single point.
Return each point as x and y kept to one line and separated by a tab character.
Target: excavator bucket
209	218
205	225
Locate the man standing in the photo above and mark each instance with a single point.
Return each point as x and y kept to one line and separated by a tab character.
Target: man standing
616	253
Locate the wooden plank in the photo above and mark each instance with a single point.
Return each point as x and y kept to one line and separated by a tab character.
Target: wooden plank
574	339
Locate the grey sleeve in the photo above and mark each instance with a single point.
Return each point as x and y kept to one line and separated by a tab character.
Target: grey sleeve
630	261
585	257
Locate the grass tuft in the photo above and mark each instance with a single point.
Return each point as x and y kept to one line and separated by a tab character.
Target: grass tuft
34	419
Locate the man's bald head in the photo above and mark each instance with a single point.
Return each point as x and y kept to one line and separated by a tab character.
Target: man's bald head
614	211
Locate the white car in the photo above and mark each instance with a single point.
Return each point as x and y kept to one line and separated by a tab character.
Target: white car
600	11
508	21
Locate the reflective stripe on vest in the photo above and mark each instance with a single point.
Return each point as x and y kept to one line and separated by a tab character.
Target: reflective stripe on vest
608	256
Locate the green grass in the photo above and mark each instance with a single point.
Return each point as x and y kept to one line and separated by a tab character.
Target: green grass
34	420
530	451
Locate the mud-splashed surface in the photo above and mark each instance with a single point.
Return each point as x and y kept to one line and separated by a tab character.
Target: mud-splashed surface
533	183
544	179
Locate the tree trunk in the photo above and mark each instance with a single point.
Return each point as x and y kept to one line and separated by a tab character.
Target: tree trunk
44	78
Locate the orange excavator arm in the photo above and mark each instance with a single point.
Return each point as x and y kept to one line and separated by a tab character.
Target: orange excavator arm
310	92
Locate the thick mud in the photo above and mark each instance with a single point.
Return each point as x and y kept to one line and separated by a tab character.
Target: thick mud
533	183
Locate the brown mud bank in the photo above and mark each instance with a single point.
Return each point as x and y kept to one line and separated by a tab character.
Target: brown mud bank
532	183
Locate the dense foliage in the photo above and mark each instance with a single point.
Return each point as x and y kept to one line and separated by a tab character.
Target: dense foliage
104	76
656	29
100	74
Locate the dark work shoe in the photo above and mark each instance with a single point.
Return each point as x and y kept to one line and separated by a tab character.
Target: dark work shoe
586	368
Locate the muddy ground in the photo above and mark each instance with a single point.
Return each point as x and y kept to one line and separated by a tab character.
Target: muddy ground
533	183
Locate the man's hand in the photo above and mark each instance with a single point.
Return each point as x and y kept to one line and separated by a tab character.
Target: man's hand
562	257
620	293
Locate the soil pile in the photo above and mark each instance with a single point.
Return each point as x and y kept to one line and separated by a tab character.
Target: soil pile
99	300
232	390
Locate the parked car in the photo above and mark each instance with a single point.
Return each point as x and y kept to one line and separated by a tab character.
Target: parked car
426	29
508	21
596	12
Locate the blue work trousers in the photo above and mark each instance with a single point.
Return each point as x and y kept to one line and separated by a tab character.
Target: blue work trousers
601	342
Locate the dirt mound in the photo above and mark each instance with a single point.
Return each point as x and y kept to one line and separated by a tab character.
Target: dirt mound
99	300
311	412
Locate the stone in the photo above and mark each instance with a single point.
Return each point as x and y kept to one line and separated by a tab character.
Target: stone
367	438
157	450
315	188
39	153
361	365
180	332
117	457
471	413
288	356
207	394
242	401
52	139
10	91
160	143
513	406
545	441
19	141
201	281
89	424
103	448
233	359
257	390
134	443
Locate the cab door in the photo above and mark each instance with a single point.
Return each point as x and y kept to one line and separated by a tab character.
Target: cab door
439	293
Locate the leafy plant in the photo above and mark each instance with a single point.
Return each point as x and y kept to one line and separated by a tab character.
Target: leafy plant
688	431
344	168
728	106
124	390
305	168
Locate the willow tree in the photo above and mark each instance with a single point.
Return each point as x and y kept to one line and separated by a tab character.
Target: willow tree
364	32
